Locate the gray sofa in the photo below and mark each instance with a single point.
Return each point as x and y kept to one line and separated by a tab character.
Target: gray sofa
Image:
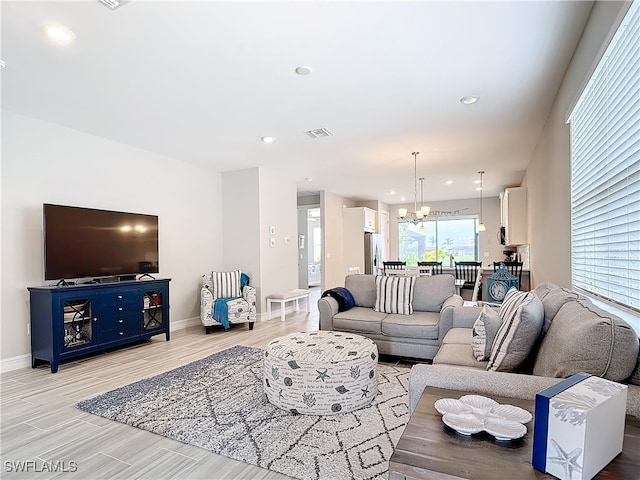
417	335
580	337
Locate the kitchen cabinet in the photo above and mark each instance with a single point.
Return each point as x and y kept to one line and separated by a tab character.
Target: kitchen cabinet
364	218
513	216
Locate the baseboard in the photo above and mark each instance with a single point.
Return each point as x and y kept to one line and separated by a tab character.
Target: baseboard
15	363
186	323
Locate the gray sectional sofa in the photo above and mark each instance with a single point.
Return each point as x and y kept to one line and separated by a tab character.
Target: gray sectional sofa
417	335
580	337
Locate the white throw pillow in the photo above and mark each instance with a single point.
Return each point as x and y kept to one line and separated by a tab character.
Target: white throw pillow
484	332
394	294
522	316
226	284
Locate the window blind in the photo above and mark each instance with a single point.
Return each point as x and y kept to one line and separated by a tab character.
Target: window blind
605	172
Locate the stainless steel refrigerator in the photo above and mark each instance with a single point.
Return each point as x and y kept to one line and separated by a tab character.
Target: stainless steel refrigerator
372	252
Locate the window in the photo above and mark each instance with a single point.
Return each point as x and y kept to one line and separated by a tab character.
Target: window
605	173
438	239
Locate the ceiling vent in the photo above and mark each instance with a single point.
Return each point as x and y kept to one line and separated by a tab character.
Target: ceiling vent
319	133
113	4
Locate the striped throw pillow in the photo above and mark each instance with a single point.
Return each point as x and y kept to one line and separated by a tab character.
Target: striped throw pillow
226	284
522	316
394	294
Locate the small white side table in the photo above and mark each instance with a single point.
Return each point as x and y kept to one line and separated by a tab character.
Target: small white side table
290	296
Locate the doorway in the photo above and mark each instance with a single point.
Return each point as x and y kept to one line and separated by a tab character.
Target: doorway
309	247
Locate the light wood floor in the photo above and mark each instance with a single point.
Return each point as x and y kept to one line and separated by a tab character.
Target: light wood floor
40	422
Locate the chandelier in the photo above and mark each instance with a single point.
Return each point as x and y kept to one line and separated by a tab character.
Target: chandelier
417	216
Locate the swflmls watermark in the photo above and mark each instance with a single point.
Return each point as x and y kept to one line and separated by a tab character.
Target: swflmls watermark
35	466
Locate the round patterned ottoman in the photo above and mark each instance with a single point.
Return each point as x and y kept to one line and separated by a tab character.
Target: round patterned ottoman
321	373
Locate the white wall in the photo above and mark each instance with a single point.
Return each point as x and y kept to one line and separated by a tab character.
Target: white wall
255	199
46	163
333	271
240	222
278	208
547	177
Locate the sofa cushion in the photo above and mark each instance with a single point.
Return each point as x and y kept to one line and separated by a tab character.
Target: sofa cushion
359	319
363	289
553	298
418	325
522	317
394	294
458	354
430	293
484	332
461	336
585	338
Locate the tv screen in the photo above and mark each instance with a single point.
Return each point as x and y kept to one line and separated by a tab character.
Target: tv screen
86	242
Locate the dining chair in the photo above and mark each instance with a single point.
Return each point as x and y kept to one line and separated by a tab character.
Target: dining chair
514	268
435	267
393	265
468	271
477	289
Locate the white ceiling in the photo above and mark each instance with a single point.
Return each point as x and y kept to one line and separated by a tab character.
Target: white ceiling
203	81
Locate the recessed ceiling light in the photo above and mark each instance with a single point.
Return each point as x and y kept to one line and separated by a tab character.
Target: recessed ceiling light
476	181
303	70
448	182
268	139
59	33
309	179
469	99
478	188
392	192
402	199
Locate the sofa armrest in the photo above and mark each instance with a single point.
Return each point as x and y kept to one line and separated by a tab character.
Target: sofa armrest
446	315
328	307
483	382
465	317
249	294
206	306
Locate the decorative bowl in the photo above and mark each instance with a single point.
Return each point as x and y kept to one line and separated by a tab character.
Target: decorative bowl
472	414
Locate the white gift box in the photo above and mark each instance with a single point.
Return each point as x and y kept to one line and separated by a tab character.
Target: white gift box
578	426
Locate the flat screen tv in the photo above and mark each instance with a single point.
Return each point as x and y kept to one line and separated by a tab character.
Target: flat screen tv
86	242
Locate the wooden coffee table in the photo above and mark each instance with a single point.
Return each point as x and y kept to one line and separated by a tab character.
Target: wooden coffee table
430	449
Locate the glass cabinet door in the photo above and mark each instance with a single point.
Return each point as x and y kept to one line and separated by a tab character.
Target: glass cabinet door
152	311
78	323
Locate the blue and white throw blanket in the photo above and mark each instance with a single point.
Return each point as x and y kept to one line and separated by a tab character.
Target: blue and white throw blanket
342	296
221	308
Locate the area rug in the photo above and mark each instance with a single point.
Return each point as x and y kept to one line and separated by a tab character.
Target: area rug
218	403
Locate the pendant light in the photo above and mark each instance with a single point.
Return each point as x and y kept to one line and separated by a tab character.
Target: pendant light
424	209
417	215
481	226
